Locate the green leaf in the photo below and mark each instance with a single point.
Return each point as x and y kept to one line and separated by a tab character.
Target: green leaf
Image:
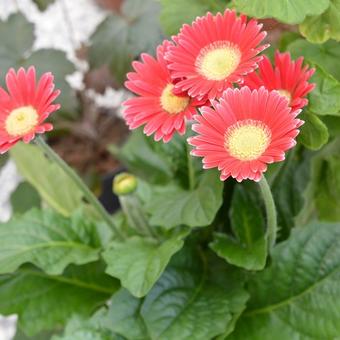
139	262
17	38
46	302
320	28
288	185
174	13
139	154
193	301
43	4
48	240
170	205
297	296
314	133
325	98
322	194
49	60
333	125
132	31
326	55
124	316
80	328
24	198
248	249
290	12
53	185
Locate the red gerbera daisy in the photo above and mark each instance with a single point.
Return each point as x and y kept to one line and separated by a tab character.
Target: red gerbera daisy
245	131
214	52
288	77
162	111
26	105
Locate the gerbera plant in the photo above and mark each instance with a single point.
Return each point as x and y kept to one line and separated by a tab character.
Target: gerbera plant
228	224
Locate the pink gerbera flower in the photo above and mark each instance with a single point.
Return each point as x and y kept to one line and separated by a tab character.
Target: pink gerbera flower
288	77
244	132
25	107
158	108
215	52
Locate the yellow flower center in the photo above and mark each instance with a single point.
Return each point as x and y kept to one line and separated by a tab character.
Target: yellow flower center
246	140
21	121
286	94
218	60
171	103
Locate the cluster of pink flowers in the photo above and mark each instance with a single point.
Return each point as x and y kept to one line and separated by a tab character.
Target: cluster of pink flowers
246	120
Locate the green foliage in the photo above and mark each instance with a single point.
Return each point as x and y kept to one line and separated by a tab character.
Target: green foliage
192	301
170	205
290	12
288	185
323	192
314	133
248	247
122	36
17	39
124	316
24	198
45	302
80	328
296	297
175	13
48	240
326	55
139	262
325	98
320	28
53	185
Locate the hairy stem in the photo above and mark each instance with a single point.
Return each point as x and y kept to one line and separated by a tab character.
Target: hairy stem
270	210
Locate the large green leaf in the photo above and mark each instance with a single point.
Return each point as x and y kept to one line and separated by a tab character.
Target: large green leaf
48	240
297	296
46	302
248	248
170	205
17	37
326	55
314	133
291	12
320	28
193	300
325	98
139	262
322	194
124	316
80	328
174	13
54	186
122	36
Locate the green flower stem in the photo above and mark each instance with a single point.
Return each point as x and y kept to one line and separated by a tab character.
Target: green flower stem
133	211
191	170
270	210
91	198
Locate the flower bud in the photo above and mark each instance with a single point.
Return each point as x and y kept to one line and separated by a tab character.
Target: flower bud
124	184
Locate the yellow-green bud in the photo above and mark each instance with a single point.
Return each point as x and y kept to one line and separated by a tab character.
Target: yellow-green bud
124	184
